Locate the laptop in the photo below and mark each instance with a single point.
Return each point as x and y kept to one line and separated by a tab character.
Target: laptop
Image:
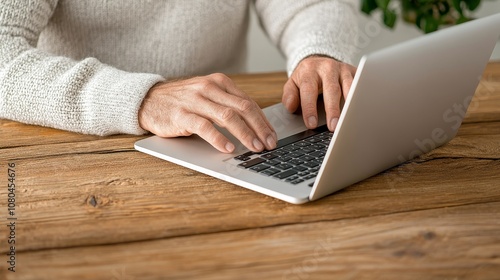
405	100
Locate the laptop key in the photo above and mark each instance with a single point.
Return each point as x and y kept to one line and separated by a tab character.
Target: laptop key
284	166
311	164
300	168
290	148
313	139
296	154
270	171
244	157
318	154
269	156
273	162
296	161
252	162
295	182
280	152
291	178
259	167
307	150
301	144
285	174
283	159
306	158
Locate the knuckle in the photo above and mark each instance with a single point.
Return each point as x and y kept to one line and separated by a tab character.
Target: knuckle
308	108
333	108
176	115
219	77
247	137
204	85
246	106
227	114
308	61
346	78
185	132
308	66
335	87
309	82
331	64
202	126
197	97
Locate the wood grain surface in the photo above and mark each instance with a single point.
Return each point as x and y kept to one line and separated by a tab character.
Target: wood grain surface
92	207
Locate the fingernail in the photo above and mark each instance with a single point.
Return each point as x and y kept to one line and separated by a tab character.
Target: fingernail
312	121
333	123
230	147
257	144
271	142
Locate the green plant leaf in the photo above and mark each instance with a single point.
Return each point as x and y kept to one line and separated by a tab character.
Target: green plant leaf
383	4
457	5
431	24
472	4
367	6
427	23
389	18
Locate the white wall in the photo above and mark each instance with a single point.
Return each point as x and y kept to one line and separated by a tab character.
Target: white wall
264	57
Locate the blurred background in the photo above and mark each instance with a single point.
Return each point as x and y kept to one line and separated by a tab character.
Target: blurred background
265	57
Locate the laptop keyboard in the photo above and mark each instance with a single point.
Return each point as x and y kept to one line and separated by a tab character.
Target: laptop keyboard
296	158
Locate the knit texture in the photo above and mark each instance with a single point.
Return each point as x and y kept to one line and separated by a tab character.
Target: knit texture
85	66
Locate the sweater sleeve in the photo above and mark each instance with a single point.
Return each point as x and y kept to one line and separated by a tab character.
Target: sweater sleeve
39	88
308	27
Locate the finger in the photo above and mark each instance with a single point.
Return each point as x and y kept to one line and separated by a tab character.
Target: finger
248	111
309	88
204	128
331	95
230	119
290	97
232	89
345	78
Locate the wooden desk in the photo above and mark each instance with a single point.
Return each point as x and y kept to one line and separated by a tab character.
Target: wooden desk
94	208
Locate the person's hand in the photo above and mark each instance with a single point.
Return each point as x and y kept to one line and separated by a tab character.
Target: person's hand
191	106
313	75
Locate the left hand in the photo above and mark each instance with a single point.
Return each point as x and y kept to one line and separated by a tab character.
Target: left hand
313	75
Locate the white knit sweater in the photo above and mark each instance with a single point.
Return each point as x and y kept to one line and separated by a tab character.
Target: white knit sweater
86	65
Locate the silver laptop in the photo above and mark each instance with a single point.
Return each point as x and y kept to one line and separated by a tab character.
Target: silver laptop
404	101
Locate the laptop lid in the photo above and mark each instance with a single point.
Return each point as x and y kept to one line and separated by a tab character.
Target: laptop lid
406	100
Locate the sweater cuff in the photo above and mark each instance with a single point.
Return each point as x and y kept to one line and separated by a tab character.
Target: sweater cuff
116	111
328	28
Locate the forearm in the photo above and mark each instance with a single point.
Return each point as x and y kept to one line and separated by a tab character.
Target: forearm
38	88
85	96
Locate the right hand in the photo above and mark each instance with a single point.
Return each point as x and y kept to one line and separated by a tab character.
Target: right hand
191	106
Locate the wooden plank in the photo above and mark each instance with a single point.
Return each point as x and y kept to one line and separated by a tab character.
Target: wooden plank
484	106
448	243
479	128
132	196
